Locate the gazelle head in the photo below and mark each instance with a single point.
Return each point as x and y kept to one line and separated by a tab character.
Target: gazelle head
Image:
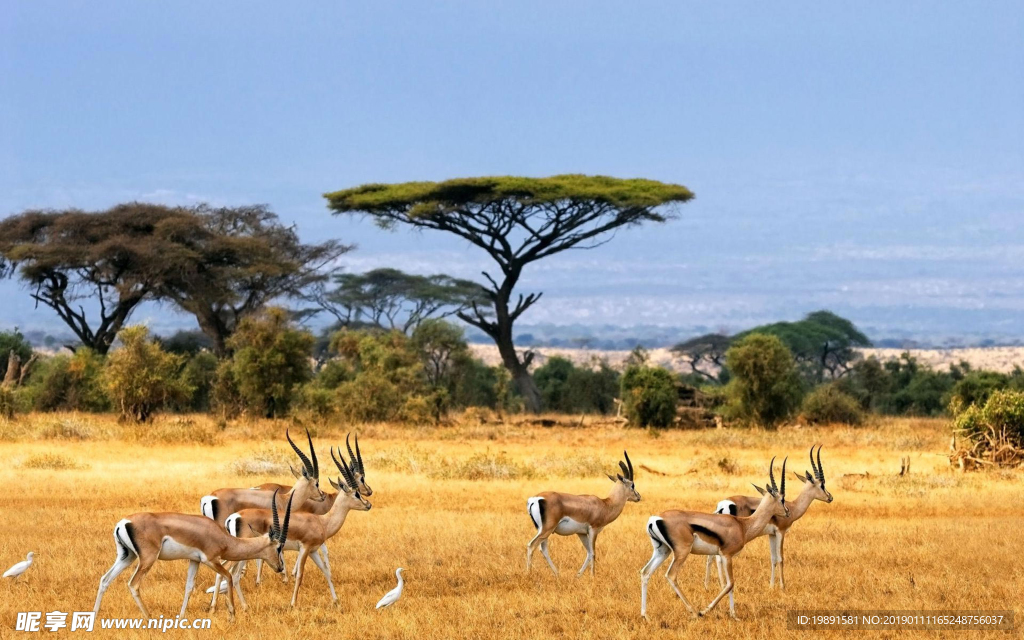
277	536
815	480
348	490
308	485
358	470
774	493
626	479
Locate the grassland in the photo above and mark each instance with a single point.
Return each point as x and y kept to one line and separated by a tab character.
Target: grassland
449	506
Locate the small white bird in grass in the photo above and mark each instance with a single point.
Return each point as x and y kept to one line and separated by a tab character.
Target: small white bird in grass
391	597
19	568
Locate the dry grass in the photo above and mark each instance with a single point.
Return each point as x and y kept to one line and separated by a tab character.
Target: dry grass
449	506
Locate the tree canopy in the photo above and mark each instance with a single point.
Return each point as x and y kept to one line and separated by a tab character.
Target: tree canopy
703	352
822	343
516	220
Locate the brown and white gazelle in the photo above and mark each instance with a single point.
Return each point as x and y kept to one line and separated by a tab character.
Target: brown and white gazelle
680	533
223	502
149	537
585	516
320	508
813	489
308	532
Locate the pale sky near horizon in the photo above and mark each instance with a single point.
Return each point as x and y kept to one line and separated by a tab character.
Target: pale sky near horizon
865	157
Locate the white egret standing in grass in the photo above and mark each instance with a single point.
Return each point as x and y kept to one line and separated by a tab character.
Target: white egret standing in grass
391	597
23	566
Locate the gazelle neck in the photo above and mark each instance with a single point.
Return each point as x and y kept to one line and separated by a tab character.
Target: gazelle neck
335	518
755	523
245	548
616	500
803	501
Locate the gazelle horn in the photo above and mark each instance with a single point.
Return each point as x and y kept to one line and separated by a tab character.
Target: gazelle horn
783	492
275	524
771	474
305	461
287	519
821	472
630	463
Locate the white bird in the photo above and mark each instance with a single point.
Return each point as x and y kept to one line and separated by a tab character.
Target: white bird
391	597
19	568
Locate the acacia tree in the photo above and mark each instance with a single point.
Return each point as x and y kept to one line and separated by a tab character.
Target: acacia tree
241	259
115	259
706	350
517	221
393	299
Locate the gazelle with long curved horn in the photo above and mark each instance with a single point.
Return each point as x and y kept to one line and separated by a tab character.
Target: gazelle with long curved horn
813	489
680	533
223	502
320	508
309	532
149	537
585	516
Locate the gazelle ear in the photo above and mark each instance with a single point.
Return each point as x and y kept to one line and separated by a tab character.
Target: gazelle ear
800	477
759	489
295	473
612	478
334	484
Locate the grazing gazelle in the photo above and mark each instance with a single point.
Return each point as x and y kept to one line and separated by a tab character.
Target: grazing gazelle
320	508
680	533
309	531
149	537
585	516
223	502
813	489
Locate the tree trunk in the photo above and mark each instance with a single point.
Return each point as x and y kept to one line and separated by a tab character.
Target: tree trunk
13	369
520	372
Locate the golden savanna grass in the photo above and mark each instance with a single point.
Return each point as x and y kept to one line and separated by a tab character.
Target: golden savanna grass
449	506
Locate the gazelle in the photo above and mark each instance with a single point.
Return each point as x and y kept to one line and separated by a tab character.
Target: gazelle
176	536
813	489
680	533
223	502
320	508
309	532
585	516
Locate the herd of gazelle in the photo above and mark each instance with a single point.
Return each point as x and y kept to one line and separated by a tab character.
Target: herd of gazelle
677	534
242	524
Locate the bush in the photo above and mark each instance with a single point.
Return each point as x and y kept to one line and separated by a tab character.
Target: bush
994	431
271	358
567	388
141	377
388	381
7	403
200	375
976	387
829	405
765	385
13	341
64	383
649	396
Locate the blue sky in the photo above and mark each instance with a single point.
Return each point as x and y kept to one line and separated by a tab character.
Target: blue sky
865	157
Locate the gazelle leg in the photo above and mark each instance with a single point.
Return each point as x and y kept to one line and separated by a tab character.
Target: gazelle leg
660	554
782	560
727	565
707	572
303	553
326	570
145	564
547	556
773	550
190	583
259	571
670	575
588	545
236	582
226	575
108	577
721	571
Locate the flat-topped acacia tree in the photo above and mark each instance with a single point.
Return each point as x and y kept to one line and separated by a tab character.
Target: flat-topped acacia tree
516	221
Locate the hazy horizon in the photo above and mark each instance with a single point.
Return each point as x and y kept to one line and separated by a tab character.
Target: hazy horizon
866	159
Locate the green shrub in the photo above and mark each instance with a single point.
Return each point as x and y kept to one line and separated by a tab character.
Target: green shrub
649	396
8	405
141	377
976	387
995	430
270	360
388	381
69	383
567	388
200	375
765	385
829	405
16	342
